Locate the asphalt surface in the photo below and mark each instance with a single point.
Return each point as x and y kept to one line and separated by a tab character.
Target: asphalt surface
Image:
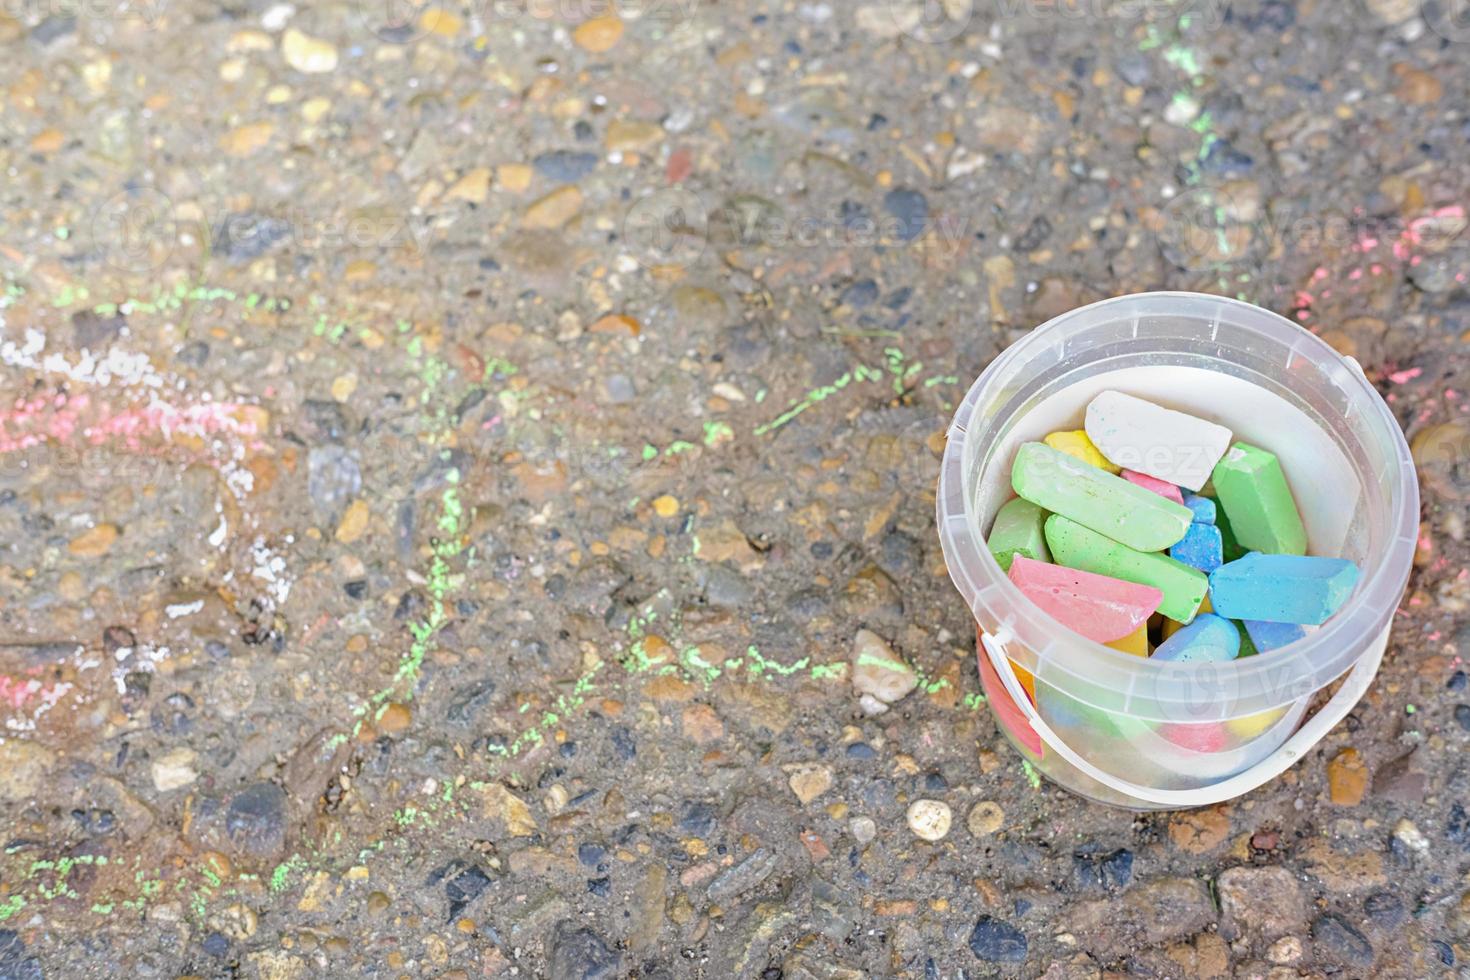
448	457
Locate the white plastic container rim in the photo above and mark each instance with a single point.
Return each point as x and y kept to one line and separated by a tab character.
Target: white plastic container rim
1355	638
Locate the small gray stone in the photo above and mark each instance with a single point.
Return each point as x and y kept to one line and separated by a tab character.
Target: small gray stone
53	29
565	166
1335	938
1133	67
910	209
333	478
619	388
1435	274
1265	902
256	820
246	236
743	876
726	588
581	954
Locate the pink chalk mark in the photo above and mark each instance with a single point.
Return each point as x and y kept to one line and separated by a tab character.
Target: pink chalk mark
17	692
43	420
1096	606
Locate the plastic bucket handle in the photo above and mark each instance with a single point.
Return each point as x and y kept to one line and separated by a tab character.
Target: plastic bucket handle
1335	710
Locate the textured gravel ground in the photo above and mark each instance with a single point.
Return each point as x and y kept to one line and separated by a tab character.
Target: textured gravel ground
448	456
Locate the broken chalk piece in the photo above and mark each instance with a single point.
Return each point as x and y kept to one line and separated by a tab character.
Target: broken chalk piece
1281	588
1075	546
1017	531
1135	643
1201	547
1209	639
1109	504
1096	606
1271	636
1253	492
1166	490
1202	507
1077	444
1168	445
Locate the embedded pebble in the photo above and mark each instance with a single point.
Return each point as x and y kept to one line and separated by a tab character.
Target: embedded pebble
986	817
308	55
929	819
878	673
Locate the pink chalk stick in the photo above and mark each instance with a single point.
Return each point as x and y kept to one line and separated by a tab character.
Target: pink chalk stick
1098	607
1159	487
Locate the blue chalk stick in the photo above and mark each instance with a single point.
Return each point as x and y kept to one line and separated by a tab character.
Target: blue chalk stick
1209	639
1282	588
1203	507
1270	636
1201	547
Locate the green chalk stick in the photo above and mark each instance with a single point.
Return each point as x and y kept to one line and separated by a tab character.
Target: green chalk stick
1080	547
1247	645
1095	498
1257	502
1231	547
1017	531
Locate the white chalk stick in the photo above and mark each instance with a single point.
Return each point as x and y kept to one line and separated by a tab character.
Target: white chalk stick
1167	445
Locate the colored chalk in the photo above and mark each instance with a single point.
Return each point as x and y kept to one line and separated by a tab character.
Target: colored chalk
1077	444
1280	588
1209	639
1094	498
1017	531
1201	547
1135	643
1166	490
1249	726
1208	736
1247	645
1271	636
1076	546
1232	548
1096	606
1252	490
1171	626
1167	445
1203	508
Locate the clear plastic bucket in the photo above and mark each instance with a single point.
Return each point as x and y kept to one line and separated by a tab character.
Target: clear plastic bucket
1136	732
